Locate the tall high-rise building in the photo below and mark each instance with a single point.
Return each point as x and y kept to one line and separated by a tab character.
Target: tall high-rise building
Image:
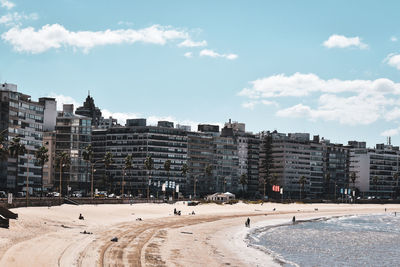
23	118
162	143
90	110
73	135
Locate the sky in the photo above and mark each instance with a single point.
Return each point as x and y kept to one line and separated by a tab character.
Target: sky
325	67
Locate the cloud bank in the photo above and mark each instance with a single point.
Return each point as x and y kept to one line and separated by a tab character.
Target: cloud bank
341	41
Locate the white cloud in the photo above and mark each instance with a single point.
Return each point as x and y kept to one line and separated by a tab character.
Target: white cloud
188	54
299	84
14	19
211	53
342	41
7	4
62	99
393	60
351	102
190	43
391	132
55	36
120	116
393	39
125	23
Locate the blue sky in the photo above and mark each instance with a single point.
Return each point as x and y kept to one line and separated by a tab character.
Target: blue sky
325	67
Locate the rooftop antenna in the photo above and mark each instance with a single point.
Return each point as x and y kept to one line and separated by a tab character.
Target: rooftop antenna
88	92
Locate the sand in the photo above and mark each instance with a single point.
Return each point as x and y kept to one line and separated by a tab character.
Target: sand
214	236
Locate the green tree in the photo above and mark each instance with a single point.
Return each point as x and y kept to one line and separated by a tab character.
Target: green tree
243	180
266	159
302	182
62	160
207	173
184	169
87	156
148	165
167	168
16	149
3	148
42	157
108	161
128	166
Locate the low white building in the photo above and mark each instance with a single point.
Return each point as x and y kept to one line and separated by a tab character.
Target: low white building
221	197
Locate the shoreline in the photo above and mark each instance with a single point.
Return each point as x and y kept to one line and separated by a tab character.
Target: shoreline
214	236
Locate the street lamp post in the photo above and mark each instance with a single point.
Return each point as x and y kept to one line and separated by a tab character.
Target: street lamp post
122	184
91	184
194	188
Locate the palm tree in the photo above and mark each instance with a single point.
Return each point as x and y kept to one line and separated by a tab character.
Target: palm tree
375	180
108	160
207	173
15	150
148	165
41	158
302	182
167	168
3	148
62	160
128	165
87	156
353	178
243	180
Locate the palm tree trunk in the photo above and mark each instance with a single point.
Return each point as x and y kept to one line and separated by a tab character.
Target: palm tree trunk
16	174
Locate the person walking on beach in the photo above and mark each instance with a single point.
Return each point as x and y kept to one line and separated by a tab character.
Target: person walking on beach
247	222
294	219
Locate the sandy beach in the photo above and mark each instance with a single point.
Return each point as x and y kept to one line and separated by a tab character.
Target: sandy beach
214	236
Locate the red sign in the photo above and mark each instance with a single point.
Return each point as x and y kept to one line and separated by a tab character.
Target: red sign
275	188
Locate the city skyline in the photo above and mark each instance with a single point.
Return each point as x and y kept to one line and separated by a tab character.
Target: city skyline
329	69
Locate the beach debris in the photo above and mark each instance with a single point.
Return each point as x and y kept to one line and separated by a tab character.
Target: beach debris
81	217
273	209
114	239
64	226
139	219
316	209
188	233
86	233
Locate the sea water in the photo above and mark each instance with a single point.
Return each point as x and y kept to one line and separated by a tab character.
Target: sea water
363	240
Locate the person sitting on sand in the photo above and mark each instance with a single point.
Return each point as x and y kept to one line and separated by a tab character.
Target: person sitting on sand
81	217
193	212
174	211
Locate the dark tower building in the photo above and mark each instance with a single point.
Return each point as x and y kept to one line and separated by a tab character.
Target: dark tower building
90	110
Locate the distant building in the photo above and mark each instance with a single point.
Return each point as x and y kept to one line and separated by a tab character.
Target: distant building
23	118
324	165
90	110
161	143
49	141
107	123
73	135
375	169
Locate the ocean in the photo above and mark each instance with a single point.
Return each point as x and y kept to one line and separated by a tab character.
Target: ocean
362	240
